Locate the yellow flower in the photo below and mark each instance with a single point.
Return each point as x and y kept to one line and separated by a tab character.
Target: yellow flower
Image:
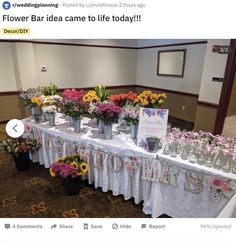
148	93
161	101
62	159
84	168
91	96
145	102
36	100
85	98
52	173
74	164
153	101
154	96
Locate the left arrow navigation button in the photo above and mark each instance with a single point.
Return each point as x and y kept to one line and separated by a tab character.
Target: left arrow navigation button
15	128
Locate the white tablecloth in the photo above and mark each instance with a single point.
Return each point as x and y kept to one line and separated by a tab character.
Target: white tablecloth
111	173
177	202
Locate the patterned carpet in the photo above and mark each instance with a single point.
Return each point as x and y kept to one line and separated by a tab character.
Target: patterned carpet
36	194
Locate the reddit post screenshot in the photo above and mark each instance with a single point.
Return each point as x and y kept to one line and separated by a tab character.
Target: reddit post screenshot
117	122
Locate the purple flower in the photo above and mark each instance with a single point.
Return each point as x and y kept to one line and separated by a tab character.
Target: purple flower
108	112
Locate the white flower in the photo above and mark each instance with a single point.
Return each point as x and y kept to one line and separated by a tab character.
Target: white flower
53	99
49	109
92	108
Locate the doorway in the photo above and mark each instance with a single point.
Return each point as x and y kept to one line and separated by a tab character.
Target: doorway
229	128
226	89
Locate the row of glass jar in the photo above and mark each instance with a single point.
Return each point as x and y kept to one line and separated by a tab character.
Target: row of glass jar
201	154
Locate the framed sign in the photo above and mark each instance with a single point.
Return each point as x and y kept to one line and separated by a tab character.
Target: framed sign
171	62
152	123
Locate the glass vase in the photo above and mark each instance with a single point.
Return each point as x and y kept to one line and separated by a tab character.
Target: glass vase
166	149
218	160
186	149
193	157
201	159
210	159
226	162
173	148
233	164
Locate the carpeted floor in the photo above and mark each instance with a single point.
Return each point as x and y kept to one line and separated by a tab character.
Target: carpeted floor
36	194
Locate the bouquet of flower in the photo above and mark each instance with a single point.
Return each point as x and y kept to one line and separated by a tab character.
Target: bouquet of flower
36	100
66	106
49	109
123	99
50	103
91	97
69	166
73	94
130	114
49	90
107	112
31	96
73	104
102	92
149	99
50	100
19	145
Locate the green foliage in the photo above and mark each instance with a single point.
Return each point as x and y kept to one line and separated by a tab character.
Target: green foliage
50	90
102	92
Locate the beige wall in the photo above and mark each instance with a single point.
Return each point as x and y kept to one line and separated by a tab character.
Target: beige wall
205	118
232	102
11	107
147	69
74	66
7	70
174	103
67	66
214	66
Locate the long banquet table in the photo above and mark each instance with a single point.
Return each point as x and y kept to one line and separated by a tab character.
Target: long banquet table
122	167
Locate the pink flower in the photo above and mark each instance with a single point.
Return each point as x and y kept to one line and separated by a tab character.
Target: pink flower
107	112
217	183
73	94
28	128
